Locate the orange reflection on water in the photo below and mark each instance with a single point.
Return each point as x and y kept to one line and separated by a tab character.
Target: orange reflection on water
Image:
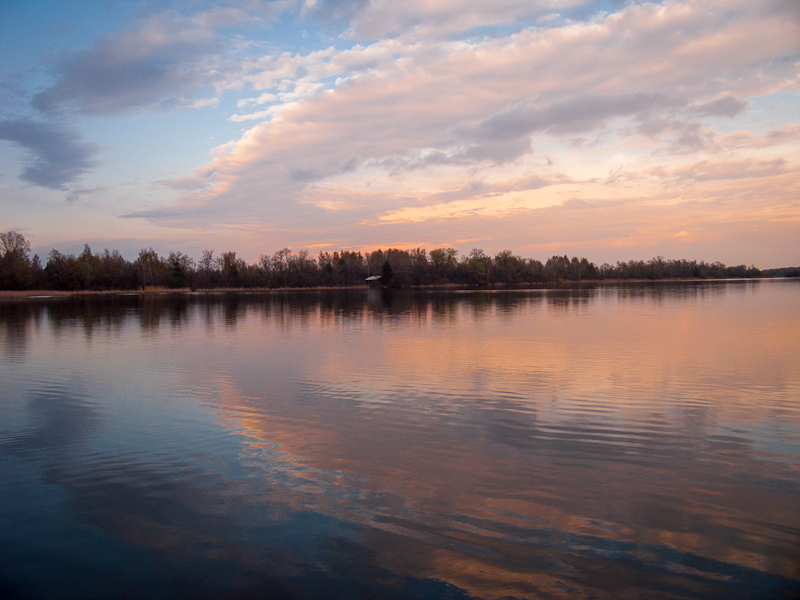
640	421
545	443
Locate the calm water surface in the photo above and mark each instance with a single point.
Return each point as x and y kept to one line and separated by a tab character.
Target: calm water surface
636	442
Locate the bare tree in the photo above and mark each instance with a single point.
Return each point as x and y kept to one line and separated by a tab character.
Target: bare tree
207	263
14	244
149	266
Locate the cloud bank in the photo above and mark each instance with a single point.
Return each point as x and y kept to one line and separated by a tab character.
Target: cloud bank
642	80
454	123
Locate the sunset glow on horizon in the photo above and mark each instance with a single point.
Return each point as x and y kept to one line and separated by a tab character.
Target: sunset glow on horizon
613	130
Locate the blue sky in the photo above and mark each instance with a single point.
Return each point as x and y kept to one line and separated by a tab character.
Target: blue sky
611	130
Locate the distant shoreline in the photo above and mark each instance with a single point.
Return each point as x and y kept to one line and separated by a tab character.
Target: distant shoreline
110	272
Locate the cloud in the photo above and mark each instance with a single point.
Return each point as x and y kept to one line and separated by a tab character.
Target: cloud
375	19
724	107
75	194
476	199
163	61
197	182
334	15
377	137
737	169
59	154
153	64
504	135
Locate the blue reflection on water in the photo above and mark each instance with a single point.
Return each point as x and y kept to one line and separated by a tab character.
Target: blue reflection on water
420	446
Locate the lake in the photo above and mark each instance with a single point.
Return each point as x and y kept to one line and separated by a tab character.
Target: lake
639	441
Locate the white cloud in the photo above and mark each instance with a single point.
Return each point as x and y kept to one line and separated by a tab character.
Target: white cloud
645	76
467	115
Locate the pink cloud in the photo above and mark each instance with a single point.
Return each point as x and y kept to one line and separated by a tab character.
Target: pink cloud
413	122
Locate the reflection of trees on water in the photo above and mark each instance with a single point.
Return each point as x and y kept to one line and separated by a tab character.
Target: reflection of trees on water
18	318
16	321
92	315
685	290
478	303
560	300
565	298
84	314
153	312
111	313
443	308
506	304
232	310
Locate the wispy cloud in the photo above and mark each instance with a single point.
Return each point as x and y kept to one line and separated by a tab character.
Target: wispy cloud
58	153
374	19
736	169
444	108
158	63
163	61
438	120
198	182
723	107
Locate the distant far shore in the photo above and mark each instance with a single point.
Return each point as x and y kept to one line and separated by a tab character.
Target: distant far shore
110	272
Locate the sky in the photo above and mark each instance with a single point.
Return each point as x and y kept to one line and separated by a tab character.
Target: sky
611	130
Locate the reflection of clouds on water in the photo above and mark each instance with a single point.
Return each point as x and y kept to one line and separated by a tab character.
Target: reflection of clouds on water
542	440
553	443
178	524
59	417
574	488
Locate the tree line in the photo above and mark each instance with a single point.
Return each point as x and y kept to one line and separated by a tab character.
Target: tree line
109	270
